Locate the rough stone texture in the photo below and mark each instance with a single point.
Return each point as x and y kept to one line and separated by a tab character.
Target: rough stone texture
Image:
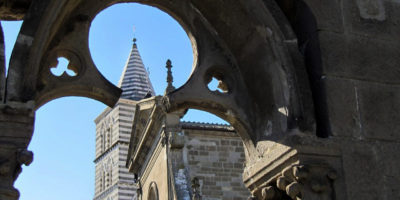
380	107
359	57
217	160
13	10
349	79
174	154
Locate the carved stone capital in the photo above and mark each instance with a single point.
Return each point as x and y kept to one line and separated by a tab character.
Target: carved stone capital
309	181
295	169
11	161
16	125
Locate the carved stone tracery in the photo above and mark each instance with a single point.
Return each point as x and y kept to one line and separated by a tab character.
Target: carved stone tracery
252	47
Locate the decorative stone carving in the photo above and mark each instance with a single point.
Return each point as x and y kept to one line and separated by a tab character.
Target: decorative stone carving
170	78
11	161
301	182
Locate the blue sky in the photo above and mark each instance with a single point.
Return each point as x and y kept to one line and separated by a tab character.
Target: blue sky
63	141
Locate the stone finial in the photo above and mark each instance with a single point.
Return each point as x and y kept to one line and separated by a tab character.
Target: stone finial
170	79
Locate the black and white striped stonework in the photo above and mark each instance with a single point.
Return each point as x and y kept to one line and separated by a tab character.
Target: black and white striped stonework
135	82
113	131
113	128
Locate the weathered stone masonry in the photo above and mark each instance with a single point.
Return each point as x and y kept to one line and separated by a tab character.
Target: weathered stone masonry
312	86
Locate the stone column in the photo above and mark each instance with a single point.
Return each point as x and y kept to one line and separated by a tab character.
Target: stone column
16	128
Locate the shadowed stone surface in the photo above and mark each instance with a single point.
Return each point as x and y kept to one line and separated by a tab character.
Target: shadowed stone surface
312	84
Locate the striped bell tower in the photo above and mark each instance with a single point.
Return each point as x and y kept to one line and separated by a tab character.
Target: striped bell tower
113	128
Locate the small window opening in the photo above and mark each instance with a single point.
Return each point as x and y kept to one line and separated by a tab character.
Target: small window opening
218	85
63	67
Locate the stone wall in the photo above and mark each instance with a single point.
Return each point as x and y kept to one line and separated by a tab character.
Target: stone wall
216	158
349	48
113	127
154	178
360	50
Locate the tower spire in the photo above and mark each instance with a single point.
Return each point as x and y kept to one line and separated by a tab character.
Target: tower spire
134	81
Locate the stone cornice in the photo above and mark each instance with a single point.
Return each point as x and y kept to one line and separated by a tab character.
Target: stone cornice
149	162
106	192
206	126
139	145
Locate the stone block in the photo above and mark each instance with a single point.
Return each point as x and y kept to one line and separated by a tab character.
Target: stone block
362	171
359	57
380	108
328	14
211	148
224	142
227	165
342	107
371	170
239	149
203	153
378	19
390	160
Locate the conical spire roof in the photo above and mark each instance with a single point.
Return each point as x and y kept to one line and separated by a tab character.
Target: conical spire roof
135	82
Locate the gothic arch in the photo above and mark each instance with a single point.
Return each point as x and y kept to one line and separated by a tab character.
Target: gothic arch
243	45
246	51
153	191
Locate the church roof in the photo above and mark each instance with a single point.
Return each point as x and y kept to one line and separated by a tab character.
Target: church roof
134	81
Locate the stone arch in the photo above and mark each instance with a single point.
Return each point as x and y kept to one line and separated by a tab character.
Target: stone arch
246	50
153	191
241	44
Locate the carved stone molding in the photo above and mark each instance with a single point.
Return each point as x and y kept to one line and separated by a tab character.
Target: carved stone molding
313	181
300	167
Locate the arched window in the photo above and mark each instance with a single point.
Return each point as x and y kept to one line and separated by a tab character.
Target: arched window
103	181
108	137
153	192
102	140
110	174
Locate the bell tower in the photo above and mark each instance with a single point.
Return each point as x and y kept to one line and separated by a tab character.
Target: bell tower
113	129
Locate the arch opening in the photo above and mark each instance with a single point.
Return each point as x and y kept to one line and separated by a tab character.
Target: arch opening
63	144
162	33
158	36
63	67
10	32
